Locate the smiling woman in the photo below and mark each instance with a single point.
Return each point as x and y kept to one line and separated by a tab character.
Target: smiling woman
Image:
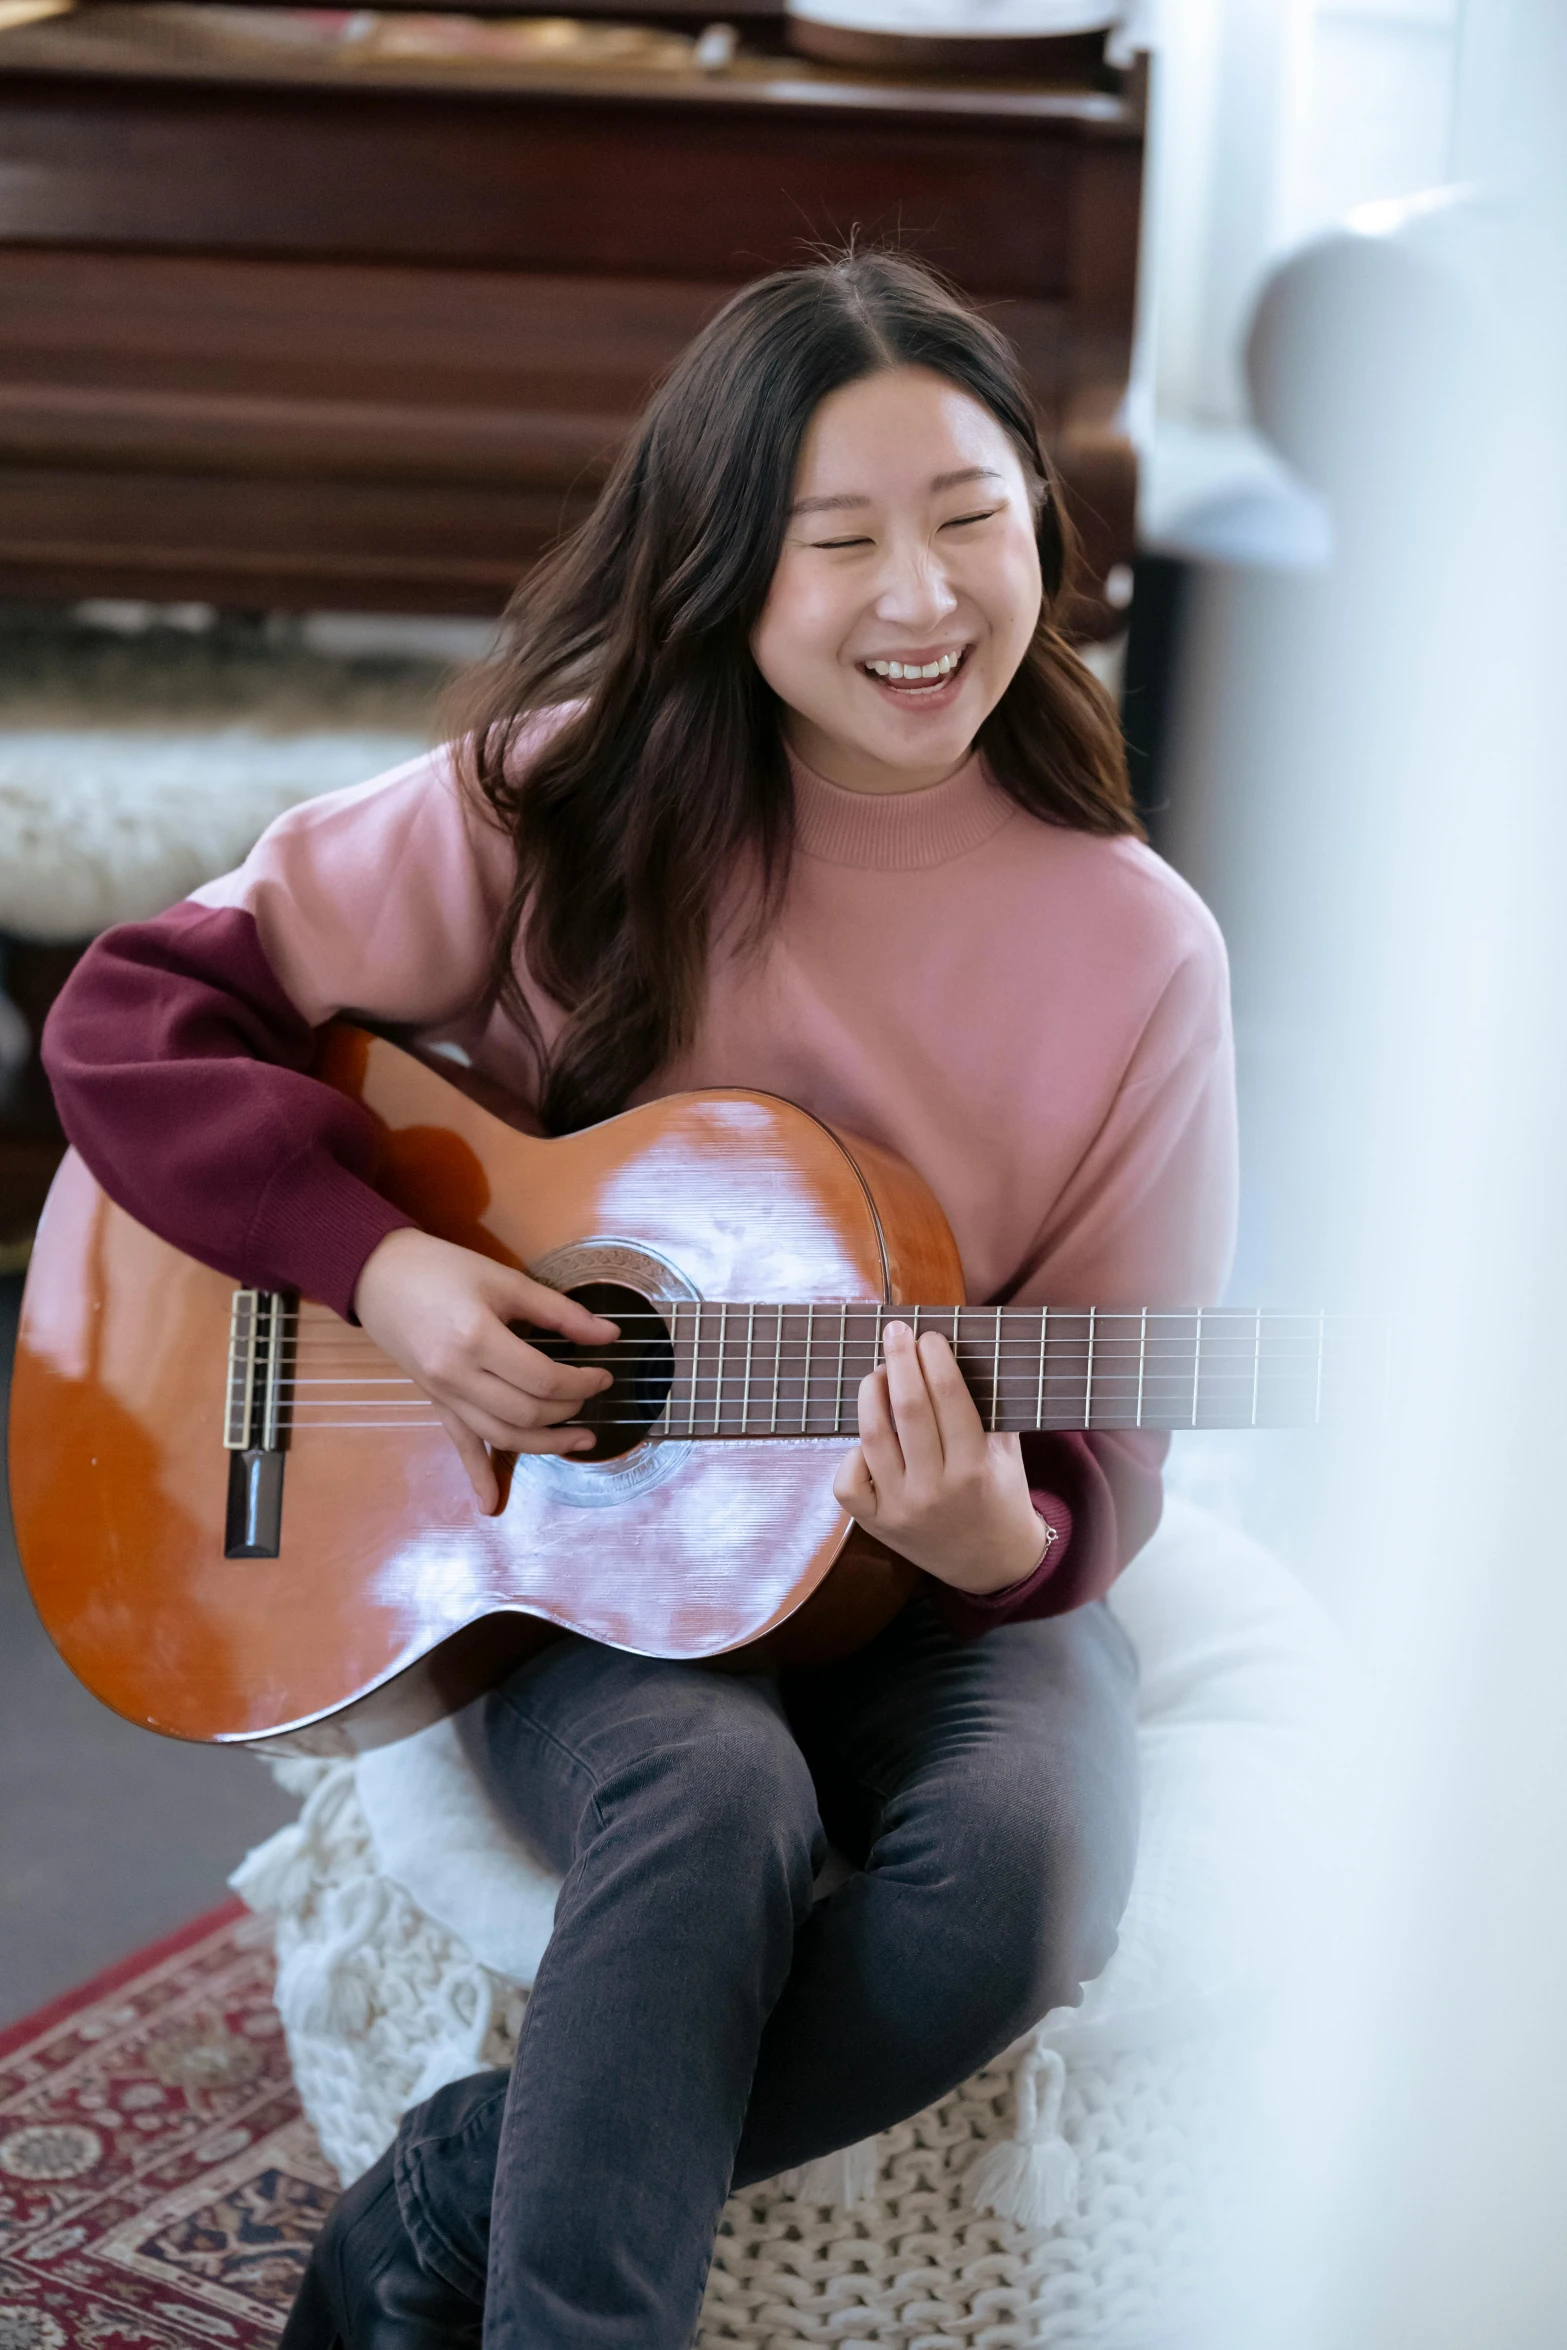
786	782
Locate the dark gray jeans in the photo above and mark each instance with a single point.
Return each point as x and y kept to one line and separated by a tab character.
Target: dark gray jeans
697	2023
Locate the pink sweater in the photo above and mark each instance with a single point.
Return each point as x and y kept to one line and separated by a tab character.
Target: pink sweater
1037	1019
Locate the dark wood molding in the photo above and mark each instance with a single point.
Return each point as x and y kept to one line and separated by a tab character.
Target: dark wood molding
549	180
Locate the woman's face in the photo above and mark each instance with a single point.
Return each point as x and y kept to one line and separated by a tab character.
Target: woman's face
908	587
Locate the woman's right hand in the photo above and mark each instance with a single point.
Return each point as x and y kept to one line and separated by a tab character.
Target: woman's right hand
442	1312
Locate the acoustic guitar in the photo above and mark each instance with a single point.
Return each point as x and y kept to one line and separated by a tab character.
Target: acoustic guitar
242	1522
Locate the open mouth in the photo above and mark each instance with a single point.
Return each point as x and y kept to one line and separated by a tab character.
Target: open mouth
917	681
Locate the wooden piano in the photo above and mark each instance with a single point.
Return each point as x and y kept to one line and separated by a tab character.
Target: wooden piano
303	312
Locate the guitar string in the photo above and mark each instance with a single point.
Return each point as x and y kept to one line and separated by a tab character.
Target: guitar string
1058	1374
1014	1393
796	1364
1105	1383
1056	1364
1171	1396
797	1359
1103	1423
1013	1331
1009	1362
1057	1357
1059	1351
792	1354
681	1309
1167	1351
1214	1408
1060	1412
822	1344
1236	1350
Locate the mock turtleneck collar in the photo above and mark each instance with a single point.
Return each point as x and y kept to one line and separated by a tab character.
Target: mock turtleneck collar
896	830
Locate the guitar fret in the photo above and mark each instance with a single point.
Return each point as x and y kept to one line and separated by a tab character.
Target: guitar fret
1027	1367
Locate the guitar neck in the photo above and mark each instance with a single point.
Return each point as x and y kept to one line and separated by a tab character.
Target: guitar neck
774	1370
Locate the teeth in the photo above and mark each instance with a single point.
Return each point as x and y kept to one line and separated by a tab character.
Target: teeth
943	666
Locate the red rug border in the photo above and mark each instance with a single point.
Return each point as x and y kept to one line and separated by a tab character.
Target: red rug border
123	1970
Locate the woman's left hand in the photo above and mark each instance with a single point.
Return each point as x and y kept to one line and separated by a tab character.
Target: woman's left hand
927	1480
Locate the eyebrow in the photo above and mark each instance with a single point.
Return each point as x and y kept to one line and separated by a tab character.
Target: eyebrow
942	481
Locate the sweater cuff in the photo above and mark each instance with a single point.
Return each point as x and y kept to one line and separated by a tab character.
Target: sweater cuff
318	1224
970	1612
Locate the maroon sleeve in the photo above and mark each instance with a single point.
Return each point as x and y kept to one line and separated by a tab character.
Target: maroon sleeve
1103	1494
180	1068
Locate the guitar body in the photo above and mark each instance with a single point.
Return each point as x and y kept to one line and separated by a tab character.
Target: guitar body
392	1600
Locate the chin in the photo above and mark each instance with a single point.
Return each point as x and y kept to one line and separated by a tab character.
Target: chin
916	749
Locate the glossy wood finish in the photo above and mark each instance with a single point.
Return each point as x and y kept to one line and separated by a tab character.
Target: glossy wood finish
119	1475
289	333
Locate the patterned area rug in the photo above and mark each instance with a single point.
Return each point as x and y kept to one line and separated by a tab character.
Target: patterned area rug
159	2186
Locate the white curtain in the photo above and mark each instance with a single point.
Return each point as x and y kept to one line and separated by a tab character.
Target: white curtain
1372	789
1269	119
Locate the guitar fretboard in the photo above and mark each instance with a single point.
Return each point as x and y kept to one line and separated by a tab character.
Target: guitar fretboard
764	1369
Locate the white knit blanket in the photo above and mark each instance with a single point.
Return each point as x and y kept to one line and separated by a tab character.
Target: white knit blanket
1088	2176
112	824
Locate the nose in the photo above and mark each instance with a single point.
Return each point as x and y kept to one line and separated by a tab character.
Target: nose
914	591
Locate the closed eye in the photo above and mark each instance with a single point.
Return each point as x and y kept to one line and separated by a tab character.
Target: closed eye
863	539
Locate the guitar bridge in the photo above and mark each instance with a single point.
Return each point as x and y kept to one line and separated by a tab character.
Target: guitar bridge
260	1328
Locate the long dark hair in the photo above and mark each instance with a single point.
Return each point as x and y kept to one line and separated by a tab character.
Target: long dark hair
670	777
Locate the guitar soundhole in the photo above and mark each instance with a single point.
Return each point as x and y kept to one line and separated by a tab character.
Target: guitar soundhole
642	1360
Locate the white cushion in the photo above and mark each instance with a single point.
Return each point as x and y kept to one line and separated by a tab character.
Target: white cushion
437	1836
1235	1661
